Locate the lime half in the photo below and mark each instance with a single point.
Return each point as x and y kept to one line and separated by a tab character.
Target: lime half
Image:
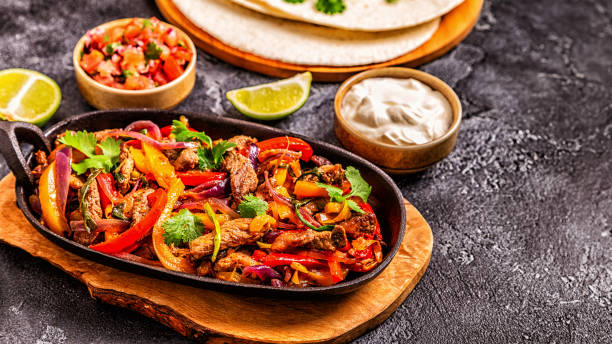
274	100
28	96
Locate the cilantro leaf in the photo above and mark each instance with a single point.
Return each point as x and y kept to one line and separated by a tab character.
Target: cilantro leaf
294	1
182	228
330	6
359	187
211	157
110	48
152	51
81	140
183	134
335	194
147	23
252	206
86	143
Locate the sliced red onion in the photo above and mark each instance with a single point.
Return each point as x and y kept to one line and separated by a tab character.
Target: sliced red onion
284	153
283	225
144	138
63	168
102	225
221	189
307	215
275	282
253	154
277	197
264	272
135	258
319	160
204	186
152	128
215	203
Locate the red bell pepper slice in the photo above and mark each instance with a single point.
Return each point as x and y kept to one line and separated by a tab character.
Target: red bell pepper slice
195	177
286	142
368	209
136	232
335	269
259	255
277	259
106	183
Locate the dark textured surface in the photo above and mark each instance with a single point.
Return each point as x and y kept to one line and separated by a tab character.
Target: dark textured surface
521	210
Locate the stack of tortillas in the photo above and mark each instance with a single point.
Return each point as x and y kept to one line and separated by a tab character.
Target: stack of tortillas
366	32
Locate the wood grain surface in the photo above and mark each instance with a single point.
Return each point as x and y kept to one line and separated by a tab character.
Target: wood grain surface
454	27
217	317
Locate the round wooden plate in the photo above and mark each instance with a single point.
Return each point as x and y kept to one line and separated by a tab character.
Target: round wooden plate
454	27
216	317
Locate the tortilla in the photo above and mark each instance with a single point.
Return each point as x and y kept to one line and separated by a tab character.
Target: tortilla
359	15
298	42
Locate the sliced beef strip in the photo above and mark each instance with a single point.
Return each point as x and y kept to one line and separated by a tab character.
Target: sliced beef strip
243	178
92	199
359	225
234	260
187	159
136	205
327	241
41	163
126	166
332	174
234	233
242	141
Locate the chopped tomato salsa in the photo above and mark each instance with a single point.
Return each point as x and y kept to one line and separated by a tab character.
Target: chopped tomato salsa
143	54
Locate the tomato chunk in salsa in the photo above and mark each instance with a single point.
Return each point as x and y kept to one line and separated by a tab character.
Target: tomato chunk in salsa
143	54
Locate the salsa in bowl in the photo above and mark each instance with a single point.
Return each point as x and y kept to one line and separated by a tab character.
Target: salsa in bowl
135	62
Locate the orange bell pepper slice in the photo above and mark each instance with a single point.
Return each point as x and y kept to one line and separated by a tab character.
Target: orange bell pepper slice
51	214
304	189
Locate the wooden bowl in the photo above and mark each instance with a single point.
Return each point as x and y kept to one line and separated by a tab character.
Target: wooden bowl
398	159
163	97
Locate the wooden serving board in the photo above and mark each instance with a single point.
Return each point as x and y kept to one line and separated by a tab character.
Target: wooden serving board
454	27
217	317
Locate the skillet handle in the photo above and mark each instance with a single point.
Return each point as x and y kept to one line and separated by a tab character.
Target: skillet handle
9	146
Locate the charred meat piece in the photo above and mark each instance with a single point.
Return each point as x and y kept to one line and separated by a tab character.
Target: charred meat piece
171	154
92	199
243	178
126	166
205	268
242	141
234	233
136	205
328	240
359	225
332	174
75	182
187	160
234	260
41	163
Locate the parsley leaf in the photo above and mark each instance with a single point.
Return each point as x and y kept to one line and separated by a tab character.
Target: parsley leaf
252	206
183	134
152	51
359	187
182	228
294	1
211	157
86	143
330	6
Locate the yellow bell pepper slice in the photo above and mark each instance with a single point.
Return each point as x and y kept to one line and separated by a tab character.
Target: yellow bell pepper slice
51	215
159	165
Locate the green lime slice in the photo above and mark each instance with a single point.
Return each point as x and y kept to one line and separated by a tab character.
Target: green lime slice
28	96
274	100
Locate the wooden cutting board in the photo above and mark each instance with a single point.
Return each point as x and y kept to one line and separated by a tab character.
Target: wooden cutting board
217	317
454	27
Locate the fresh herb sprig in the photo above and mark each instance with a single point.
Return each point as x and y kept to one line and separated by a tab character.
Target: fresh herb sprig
86	143
359	188
182	228
252	206
210	156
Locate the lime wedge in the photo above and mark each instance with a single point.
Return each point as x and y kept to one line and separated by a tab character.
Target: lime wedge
28	96
274	100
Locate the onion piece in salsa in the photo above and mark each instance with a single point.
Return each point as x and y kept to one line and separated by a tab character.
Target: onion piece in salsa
143	54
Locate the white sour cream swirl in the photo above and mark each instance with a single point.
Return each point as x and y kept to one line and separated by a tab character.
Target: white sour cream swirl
397	111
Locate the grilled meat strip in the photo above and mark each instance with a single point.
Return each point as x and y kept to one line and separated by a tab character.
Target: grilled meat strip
332	174
326	241
234	233
126	166
92	199
187	160
234	260
243	178
359	225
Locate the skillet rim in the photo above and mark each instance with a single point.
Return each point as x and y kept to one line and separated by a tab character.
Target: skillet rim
203	281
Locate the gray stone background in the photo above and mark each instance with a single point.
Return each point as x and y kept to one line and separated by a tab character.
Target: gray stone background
521	210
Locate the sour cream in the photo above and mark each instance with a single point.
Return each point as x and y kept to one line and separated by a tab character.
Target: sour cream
397	111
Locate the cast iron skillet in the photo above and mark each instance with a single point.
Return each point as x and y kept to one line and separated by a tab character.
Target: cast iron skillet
386	198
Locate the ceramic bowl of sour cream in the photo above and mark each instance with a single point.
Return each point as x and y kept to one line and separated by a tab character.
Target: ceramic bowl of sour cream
401	119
